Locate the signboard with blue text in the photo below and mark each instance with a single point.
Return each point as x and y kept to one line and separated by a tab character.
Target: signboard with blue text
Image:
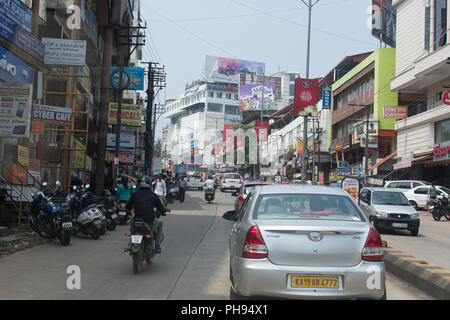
17	12
14	70
6	27
136	77
26	41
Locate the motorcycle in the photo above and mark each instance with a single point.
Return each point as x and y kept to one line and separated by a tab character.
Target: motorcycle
173	194
441	208
209	194
86	220
142	245
50	220
122	211
106	205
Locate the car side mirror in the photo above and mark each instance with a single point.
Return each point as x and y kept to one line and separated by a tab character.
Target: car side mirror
230	215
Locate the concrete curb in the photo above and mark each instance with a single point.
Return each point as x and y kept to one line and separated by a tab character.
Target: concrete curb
427	277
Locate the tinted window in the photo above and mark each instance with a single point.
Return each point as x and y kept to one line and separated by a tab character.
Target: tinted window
232	176
446	190
390	198
393	185
416	184
404	185
306	207
421	191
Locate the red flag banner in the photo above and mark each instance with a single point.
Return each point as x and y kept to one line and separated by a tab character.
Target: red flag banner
306	95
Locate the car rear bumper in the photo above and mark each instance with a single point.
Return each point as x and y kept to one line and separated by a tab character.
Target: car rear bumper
194	185
386	223
231	186
259	277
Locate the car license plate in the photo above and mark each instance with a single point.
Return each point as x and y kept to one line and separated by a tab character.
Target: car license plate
67	225
400	225
114	216
122	213
315	282
136	238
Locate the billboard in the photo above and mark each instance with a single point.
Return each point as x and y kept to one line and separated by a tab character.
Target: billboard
306	95
136	77
384	17
219	69
252	79
253	97
130	114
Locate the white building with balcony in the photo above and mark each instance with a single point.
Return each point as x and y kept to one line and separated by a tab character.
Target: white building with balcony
423	67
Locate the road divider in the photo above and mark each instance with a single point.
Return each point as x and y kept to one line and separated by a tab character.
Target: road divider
427	277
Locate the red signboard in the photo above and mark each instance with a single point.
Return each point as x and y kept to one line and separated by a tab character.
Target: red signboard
262	130
306	94
446	97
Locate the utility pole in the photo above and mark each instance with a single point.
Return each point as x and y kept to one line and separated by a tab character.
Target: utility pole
310	5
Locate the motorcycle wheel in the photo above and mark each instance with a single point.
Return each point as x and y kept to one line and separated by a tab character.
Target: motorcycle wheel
137	263
95	234
64	238
111	226
436	215
102	231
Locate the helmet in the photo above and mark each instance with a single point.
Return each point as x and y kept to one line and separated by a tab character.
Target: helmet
124	180
146	182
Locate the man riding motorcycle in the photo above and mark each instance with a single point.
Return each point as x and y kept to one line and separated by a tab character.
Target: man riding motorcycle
124	191
144	201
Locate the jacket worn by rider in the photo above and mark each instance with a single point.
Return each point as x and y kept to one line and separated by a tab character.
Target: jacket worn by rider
143	202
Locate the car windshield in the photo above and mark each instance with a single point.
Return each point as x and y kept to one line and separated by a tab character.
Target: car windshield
306	207
390	198
232	176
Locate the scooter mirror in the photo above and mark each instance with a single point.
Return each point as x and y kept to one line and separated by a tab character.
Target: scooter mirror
44	184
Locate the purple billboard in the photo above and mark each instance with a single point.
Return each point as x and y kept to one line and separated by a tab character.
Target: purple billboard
251	97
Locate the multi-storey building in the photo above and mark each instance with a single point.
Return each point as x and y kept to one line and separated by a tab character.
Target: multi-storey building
423	69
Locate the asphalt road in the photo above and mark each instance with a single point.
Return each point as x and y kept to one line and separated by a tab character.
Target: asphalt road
431	244
193	264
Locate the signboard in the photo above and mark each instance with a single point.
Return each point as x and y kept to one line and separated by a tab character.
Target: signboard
360	130
441	151
446	97
326	98
32	45
262	130
14	110
306	95
37	127
136	77
252	79
52	114
79	155
252	97
6	27
17	175
23	155
373	142
395	112
64	52
127	142
343	164
13	69
17	12
384	17
219	69
130	114
351	185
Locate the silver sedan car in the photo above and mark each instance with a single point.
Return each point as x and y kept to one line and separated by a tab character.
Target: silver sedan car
304	242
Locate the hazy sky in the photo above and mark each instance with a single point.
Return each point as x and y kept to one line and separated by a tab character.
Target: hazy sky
181	33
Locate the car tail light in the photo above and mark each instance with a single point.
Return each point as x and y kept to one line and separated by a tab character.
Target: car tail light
373	248
224	180
241	199
254	247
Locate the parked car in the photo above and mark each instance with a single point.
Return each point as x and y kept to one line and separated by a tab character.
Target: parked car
405	185
296	182
303	242
243	192
231	181
194	182
418	196
389	209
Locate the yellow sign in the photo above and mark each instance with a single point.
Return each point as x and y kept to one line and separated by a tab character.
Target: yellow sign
23	155
299	147
80	155
130	114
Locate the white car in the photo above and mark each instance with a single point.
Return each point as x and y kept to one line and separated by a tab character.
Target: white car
194	182
231	181
405	185
418	196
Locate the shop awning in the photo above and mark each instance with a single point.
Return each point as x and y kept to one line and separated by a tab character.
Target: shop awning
379	163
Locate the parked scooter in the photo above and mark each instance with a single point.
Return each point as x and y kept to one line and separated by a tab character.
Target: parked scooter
50	220
441	208
86	220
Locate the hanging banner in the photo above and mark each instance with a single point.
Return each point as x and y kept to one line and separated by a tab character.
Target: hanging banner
130	114
52	114
306	95
351	185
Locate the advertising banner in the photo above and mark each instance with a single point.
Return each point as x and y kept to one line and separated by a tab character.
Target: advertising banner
227	69
306	95
23	155
57	115
351	185
17	175
395	112
15	110
251	97
246	79
13	69
64	52
262	130
17	12
136	77
127	142
32	45
130	114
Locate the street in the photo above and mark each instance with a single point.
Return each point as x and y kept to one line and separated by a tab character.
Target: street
193	264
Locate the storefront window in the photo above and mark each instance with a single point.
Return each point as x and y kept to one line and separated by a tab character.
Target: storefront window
443	131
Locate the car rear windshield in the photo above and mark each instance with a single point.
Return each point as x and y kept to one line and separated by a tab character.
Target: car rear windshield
195	177
306	207
232	176
390	198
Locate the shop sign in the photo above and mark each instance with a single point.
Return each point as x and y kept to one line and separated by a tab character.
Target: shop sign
441	151
6	27
127	142
373	142
32	45
52	114
17	12
446	97
136	76
395	112
402	165
130	114
64	51
17	175
79	155
14	70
